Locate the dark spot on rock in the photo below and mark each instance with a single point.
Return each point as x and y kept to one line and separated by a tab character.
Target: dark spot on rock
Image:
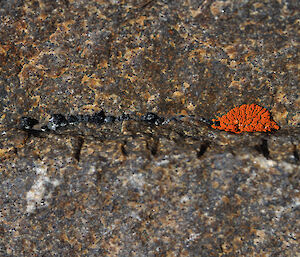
263	148
27	123
152	118
154	149
78	148
57	121
203	149
296	154
123	150
152	146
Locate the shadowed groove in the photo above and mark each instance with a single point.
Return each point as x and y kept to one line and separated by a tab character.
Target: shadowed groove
263	148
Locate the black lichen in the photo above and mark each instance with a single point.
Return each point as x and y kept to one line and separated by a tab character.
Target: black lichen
57	121
27	123
109	119
152	118
83	118
98	117
72	119
124	117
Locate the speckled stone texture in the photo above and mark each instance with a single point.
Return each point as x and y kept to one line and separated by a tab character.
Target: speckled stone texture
131	188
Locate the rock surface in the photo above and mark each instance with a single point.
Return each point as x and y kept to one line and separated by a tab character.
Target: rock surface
141	186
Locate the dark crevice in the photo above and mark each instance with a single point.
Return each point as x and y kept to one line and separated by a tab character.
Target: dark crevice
153	146
203	149
123	149
154	150
263	148
296	154
78	148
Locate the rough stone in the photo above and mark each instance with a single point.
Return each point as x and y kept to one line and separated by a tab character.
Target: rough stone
119	186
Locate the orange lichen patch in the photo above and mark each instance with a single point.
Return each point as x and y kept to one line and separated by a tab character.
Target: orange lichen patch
246	118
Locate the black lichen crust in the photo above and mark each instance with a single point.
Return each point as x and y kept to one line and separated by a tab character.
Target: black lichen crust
152	118
72	119
98	117
124	117
27	123
58	121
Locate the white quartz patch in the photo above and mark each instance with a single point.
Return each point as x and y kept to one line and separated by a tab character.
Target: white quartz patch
36	194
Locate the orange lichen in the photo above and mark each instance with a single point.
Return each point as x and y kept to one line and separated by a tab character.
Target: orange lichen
246	118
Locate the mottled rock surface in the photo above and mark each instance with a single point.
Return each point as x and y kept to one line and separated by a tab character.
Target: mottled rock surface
142	186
